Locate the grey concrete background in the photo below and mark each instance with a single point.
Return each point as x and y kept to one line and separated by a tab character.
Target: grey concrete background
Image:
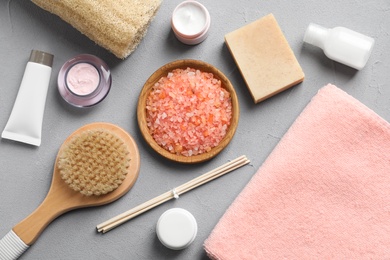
25	171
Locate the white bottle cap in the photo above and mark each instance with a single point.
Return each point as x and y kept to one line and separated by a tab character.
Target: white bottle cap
315	35
176	228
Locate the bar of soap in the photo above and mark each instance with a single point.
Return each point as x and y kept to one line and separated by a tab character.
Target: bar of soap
264	57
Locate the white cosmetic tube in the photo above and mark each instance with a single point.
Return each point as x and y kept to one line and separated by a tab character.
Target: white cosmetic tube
25	122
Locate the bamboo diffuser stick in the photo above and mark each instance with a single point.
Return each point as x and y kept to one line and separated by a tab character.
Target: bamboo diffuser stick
174	193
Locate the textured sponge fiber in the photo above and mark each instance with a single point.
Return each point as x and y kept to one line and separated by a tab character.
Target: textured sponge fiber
118	25
94	162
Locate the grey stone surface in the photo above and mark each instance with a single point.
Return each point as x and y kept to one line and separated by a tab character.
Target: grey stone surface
25	171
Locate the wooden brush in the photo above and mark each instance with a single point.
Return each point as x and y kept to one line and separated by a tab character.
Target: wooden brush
96	165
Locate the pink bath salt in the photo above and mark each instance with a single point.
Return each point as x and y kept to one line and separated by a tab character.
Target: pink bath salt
188	112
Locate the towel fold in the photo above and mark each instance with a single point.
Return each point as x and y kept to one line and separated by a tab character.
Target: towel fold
118	25
323	193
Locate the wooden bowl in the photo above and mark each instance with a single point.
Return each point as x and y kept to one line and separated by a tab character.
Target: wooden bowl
163	72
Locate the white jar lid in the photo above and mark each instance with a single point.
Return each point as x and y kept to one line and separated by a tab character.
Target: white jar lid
176	228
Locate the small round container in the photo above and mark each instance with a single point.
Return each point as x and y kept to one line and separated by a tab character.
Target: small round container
190	22
176	228
84	80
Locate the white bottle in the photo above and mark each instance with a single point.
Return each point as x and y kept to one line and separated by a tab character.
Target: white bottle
25	121
341	44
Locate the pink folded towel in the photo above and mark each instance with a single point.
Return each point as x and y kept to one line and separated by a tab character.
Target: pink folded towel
323	193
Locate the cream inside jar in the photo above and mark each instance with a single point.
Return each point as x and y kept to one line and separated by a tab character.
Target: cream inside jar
84	80
190	22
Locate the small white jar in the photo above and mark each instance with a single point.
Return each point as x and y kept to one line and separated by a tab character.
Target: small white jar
190	22
176	228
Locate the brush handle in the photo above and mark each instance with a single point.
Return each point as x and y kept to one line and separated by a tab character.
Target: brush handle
33	225
11	246
26	232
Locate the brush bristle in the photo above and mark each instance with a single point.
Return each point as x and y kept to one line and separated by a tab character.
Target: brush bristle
94	162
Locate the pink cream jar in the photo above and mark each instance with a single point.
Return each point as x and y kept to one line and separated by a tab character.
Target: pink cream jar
190	22
84	80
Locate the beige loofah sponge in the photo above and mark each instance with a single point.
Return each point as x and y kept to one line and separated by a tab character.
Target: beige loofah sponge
95	162
118	25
